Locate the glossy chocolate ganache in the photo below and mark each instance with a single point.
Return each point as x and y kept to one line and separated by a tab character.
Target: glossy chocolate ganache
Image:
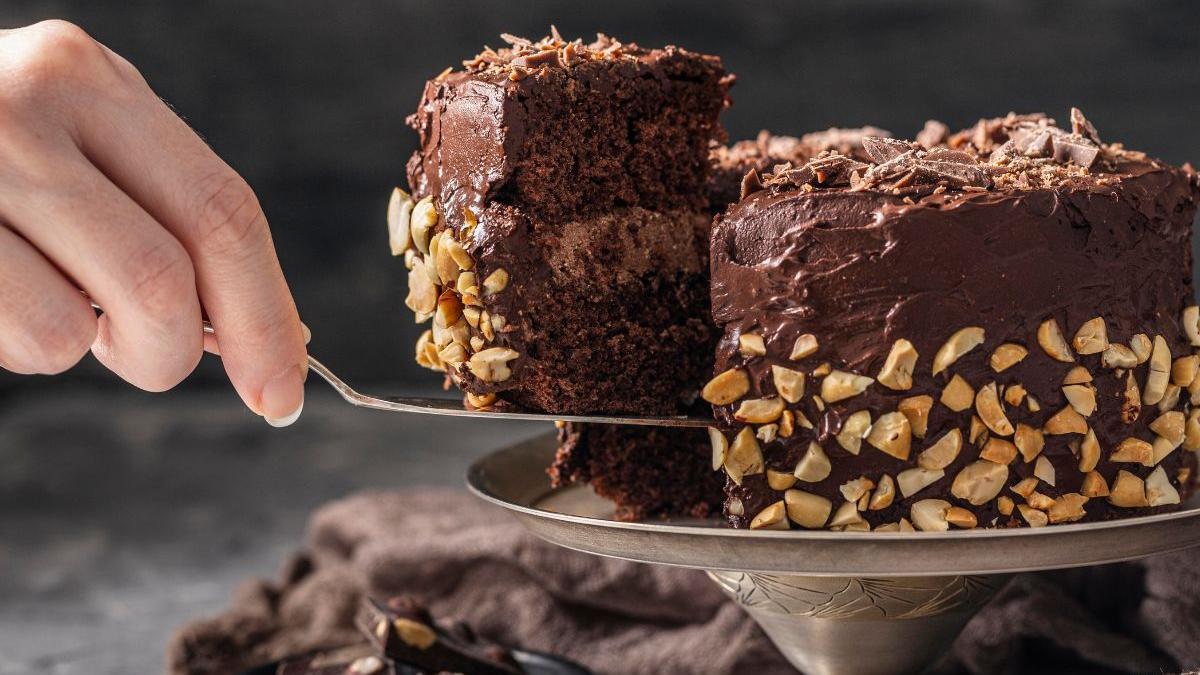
991	329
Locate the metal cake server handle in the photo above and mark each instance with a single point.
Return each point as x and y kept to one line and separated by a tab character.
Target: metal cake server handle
455	407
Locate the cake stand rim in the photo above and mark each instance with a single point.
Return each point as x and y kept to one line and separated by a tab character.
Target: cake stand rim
608	537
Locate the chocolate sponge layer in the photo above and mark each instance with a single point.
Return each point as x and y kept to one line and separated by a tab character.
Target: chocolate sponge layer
566	142
645	471
608	314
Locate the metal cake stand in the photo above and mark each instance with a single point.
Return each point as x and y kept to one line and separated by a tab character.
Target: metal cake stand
833	602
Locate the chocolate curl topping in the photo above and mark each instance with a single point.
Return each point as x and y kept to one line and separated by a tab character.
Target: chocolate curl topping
522	54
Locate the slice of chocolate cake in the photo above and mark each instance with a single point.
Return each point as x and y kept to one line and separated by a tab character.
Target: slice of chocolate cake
559	235
995	331
645	471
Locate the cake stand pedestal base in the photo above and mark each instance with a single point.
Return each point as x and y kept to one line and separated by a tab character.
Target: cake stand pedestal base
864	626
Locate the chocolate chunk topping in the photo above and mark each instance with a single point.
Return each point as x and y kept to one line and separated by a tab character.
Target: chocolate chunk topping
1075	149
1014	151
536	59
881	150
402	630
933	134
1082	127
1030	142
848	142
523	54
952	174
750	183
829	169
834	169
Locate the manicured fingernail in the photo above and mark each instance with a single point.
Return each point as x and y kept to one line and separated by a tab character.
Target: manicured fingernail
283	398
307	332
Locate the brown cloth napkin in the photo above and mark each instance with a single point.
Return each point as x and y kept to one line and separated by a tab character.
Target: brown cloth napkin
472	562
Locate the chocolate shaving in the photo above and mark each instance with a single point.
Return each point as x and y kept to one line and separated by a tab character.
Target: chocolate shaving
834	169
800	176
881	150
848	142
933	134
1032	142
569	55
1004	152
1082	127
751	183
948	155
552	50
515	40
1010	152
1075	149
536	59
894	166
951	174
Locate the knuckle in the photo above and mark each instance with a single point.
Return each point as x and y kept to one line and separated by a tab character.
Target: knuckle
229	220
61	33
126	69
61	341
51	51
162	279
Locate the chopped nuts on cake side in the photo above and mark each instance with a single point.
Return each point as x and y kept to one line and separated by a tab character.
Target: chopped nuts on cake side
995	456
444	285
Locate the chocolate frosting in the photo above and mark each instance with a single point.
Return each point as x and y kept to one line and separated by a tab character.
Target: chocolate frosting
487	135
861	268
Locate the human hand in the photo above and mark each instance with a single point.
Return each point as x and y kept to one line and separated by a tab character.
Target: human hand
103	189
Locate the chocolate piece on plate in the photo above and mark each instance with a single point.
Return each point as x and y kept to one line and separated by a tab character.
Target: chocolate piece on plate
404	631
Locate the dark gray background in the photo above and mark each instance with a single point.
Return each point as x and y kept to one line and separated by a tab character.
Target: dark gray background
307	99
123	513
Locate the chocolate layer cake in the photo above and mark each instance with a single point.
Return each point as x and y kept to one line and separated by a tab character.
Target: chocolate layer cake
557	233
992	329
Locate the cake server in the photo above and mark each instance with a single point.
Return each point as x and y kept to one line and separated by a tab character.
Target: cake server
455	407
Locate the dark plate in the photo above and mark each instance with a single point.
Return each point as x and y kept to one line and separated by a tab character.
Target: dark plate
533	663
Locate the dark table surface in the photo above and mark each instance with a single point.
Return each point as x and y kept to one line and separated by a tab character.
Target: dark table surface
126	514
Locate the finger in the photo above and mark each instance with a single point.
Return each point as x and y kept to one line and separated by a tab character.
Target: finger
217	218
150	332
211	346
46	326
